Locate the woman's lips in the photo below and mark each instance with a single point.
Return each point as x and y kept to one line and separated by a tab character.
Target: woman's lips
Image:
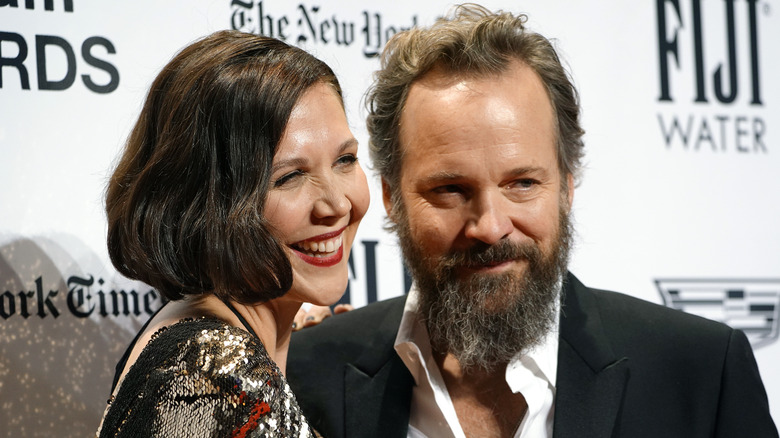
323	250
322	260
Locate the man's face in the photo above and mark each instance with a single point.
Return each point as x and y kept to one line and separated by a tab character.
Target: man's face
482	199
480	166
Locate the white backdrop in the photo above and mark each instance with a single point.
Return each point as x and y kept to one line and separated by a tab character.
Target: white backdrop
679	203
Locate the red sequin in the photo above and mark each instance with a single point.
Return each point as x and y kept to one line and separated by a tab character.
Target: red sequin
258	410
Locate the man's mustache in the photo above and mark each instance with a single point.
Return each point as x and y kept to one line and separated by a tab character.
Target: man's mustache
482	254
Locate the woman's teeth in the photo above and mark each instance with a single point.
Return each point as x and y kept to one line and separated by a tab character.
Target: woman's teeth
319	247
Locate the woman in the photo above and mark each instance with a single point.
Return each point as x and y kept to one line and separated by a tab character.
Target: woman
237	197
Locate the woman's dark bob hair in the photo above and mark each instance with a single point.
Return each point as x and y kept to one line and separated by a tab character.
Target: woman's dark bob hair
185	203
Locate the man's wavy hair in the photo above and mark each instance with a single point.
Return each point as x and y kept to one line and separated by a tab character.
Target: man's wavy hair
185	202
470	41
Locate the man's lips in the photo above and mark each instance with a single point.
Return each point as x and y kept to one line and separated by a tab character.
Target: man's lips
492	266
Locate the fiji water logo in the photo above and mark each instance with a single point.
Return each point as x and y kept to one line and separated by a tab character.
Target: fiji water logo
748	305
710	75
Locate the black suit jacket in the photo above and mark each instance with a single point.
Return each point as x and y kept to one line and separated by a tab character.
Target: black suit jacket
626	368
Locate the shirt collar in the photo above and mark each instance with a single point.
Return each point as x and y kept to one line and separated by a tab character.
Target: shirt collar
412	342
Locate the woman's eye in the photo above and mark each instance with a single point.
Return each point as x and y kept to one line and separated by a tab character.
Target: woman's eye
286	178
347	159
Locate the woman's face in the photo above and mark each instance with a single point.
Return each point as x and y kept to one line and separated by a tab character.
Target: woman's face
318	195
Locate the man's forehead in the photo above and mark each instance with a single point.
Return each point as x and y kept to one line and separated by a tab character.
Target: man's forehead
518	85
459	123
443	76
441	99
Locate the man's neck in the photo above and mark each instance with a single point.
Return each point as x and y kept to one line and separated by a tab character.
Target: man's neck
483	401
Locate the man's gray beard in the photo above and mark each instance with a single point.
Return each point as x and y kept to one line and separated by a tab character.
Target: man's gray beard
486	319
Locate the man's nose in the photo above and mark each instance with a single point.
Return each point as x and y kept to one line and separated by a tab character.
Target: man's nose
490	221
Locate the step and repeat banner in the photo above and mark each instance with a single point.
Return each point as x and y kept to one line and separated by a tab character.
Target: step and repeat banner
679	203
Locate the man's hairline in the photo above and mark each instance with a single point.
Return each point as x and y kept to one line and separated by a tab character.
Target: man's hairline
472	73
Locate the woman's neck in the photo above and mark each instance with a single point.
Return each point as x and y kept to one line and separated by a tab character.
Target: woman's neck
272	322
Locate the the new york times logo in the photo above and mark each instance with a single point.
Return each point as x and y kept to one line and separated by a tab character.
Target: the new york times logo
722	79
312	25
19	55
752	306
84	297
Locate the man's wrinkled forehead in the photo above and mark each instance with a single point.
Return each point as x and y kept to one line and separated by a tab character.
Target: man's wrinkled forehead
438	84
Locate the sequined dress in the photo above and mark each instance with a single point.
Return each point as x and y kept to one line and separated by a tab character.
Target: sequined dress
204	378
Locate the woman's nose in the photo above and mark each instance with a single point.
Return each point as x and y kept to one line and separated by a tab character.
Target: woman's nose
331	202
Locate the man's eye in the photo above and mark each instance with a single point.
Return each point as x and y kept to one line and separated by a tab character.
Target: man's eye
525	183
287	178
449	188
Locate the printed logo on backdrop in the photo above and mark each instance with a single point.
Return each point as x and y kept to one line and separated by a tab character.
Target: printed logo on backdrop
84	297
748	305
87	296
364	281
313	24
709	59
46	57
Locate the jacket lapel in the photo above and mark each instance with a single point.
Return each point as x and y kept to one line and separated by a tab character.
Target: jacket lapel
378	386
591	380
378	405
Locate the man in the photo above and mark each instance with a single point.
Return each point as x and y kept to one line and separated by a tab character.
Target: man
475	132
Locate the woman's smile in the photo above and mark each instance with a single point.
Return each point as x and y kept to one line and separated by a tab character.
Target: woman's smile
323	250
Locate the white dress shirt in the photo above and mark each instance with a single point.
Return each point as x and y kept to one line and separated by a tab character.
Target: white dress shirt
432	412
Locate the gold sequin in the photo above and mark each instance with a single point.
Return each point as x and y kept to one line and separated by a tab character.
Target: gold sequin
204	378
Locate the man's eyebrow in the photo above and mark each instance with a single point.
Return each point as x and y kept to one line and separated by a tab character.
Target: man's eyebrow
300	161
524	170
443	177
